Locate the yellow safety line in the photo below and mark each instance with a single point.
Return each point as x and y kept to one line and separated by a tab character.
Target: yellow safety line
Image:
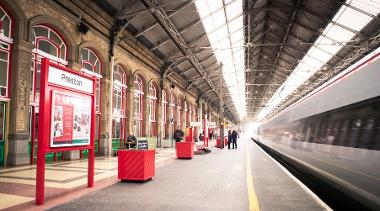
252	198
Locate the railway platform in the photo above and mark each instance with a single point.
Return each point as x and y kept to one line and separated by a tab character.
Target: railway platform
227	179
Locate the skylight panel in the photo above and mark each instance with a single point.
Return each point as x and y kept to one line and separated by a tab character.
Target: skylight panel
330	48
236	24
320	54
313	62
353	19
203	9
223	44
222	32
370	6
233	9
218	34
339	34
236	36
214	5
208	24
219	18
228	1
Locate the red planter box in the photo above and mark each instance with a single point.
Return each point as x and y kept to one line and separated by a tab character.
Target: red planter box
218	145
136	164
185	149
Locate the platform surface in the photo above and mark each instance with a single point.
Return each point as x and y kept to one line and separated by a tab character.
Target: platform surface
215	181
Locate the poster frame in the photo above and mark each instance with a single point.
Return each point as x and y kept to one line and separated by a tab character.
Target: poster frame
53	93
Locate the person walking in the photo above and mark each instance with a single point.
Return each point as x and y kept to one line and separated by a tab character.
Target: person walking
229	139
234	139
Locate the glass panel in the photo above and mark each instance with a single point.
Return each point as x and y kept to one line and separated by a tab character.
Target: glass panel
84	54
3	68
6	26
2	120
47	47
3	91
233	8
55	38
88	66
370	6
97	68
115	128
40	31
353	19
97	97
93	58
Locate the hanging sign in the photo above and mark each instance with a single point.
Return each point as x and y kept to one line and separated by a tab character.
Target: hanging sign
195	124
211	124
69	80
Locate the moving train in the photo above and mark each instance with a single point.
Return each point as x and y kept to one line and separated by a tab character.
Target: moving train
333	133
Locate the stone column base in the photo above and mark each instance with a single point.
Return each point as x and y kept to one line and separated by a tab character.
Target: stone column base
105	146
18	149
71	155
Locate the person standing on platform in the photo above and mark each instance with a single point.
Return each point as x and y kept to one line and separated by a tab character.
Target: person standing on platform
234	139
229	139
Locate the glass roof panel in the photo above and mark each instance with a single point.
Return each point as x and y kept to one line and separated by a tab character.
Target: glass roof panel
208	24
203	9
353	19
236	24
370	6
219	18
214	5
327	45
233	9
339	34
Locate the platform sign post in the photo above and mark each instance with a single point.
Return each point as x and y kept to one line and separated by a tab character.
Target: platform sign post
67	118
205	131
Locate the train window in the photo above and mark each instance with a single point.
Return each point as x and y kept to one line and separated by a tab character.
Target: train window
366	135
354	133
358	123
344	132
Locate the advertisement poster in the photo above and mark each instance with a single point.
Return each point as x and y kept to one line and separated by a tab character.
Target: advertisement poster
70	121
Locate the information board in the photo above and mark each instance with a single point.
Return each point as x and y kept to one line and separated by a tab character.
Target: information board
66	118
142	144
70	120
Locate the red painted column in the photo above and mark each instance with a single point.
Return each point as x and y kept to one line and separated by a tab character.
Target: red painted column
43	121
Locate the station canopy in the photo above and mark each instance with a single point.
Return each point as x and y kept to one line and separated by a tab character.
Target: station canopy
273	52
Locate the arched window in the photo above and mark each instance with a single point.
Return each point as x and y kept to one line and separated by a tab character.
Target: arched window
92	65
172	108
152	109
138	114
188	113
119	90
48	44
119	105
6	42
164	112
179	111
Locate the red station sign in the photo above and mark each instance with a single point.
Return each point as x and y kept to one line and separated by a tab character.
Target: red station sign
67	118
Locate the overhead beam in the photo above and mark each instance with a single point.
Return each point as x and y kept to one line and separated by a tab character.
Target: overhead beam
169	15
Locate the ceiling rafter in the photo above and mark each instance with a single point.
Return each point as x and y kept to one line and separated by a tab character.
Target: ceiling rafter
298	5
169	15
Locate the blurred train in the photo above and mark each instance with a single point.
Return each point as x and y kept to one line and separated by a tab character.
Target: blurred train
334	132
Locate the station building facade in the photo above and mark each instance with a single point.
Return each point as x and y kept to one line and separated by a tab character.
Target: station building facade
132	96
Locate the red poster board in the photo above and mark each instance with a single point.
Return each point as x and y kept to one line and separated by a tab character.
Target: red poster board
67	117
